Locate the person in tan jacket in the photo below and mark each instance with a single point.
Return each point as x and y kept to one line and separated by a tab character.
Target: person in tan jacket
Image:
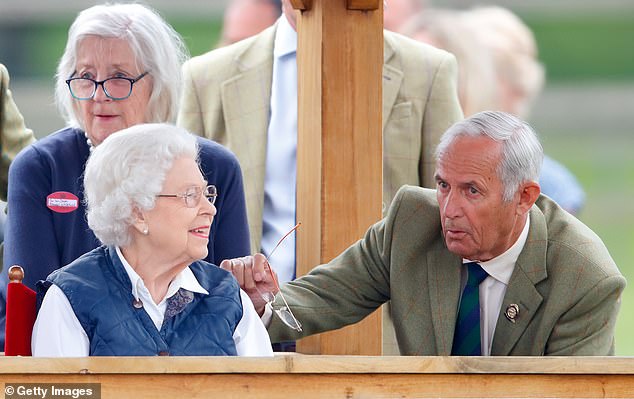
227	98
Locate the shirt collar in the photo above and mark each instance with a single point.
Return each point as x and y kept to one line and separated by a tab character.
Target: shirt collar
501	267
185	279
285	38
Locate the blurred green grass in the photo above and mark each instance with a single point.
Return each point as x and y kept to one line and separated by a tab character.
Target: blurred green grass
35	48
594	46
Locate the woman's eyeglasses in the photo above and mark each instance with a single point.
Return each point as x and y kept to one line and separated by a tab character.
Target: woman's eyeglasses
115	88
192	195
285	314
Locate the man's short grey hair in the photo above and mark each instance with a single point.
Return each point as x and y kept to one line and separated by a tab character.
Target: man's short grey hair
157	47
522	153
126	172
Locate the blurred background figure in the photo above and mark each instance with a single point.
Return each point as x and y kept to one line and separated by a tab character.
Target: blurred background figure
520	75
396	12
245	18
520	80
498	70
449	30
14	136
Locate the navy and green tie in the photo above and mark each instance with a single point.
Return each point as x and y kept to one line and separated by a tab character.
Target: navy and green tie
466	340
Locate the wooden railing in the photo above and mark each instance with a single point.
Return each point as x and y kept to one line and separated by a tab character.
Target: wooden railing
305	377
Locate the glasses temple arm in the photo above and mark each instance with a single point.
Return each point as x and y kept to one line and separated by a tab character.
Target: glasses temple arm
282	239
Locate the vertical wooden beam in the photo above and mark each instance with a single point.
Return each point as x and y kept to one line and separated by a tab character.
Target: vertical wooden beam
339	152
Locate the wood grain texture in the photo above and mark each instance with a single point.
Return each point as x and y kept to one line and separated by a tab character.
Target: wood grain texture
364	4
339	150
334	376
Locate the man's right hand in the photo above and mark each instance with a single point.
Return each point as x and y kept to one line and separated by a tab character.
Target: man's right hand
255	277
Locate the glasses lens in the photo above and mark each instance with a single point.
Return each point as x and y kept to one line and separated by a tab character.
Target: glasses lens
192	196
211	193
82	88
118	88
287	318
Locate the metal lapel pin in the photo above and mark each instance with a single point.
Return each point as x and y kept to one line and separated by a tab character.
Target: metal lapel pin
512	312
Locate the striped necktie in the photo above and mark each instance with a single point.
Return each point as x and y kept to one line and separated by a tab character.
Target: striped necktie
466	341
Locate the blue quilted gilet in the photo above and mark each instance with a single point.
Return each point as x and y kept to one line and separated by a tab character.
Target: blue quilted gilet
100	293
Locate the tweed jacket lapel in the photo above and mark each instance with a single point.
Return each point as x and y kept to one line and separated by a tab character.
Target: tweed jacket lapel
530	269
246	98
392	79
443	280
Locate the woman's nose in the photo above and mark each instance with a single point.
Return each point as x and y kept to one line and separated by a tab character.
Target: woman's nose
100	94
208	207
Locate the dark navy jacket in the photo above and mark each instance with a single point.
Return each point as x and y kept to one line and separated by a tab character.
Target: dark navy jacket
100	293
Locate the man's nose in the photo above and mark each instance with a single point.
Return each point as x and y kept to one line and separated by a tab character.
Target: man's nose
452	206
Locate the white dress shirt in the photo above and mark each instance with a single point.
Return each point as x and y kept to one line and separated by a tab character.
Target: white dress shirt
280	177
58	333
493	288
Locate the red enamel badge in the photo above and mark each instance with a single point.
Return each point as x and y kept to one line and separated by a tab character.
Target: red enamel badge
62	202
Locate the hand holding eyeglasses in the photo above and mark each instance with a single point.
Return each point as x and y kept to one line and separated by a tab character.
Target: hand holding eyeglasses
254	278
257	278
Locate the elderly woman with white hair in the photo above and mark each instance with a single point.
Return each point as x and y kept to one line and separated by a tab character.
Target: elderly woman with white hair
146	291
121	67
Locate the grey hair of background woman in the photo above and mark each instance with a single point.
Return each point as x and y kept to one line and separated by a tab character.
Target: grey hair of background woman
158	48
126	172
522	153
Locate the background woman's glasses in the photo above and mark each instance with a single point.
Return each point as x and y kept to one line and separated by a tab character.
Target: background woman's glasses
116	88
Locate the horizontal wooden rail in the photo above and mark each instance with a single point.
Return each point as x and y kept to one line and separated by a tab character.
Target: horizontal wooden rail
307	376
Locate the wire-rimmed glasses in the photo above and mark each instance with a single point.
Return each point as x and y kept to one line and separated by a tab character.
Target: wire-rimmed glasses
284	313
193	195
115	88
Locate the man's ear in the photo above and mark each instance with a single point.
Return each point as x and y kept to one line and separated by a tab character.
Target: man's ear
529	192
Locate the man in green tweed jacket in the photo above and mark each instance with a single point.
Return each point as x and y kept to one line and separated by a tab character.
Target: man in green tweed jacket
552	287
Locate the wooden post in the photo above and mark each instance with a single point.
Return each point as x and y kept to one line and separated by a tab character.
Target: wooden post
339	150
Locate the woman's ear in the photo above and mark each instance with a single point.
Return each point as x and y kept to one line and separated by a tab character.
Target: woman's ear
140	222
